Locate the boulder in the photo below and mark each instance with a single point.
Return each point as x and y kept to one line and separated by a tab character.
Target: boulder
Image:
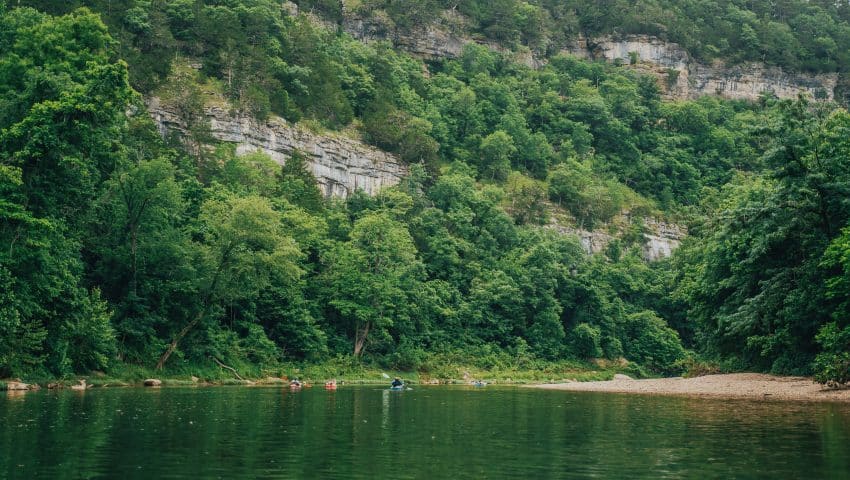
620	376
17	386
153	382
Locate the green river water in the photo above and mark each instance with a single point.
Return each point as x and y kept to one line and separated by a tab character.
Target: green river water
428	432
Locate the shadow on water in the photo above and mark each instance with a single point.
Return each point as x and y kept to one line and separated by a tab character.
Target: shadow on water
429	432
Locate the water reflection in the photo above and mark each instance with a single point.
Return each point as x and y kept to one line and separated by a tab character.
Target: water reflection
426	433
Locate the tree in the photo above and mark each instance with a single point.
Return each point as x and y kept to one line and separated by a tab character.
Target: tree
651	343
832	364
527	199
298	185
65	114
753	281
61	122
496	151
370	278
140	255
242	251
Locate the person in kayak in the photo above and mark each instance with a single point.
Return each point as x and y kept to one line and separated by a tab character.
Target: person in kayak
397	383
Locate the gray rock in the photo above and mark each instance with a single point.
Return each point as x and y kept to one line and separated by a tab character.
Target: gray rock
694	79
660	239
341	165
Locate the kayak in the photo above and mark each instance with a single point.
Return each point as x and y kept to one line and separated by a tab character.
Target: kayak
398	388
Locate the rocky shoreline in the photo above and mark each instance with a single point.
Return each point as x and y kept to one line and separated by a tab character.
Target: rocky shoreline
752	386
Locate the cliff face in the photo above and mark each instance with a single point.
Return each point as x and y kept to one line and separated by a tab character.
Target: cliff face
433	41
429	42
660	238
683	77
680	76
340	165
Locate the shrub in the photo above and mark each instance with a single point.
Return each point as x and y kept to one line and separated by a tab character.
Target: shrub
586	341
832	365
650	342
89	340
698	368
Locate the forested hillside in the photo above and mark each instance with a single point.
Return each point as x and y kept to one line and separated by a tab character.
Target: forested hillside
796	34
122	248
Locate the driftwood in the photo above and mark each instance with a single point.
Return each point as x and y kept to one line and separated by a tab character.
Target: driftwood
229	368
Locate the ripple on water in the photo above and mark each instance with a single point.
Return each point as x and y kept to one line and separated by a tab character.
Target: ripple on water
429	432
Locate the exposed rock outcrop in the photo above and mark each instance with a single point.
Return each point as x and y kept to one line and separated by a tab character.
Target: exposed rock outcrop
340	165
429	41
683	77
660	238
436	40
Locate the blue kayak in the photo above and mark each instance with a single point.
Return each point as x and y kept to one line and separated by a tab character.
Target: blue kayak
398	388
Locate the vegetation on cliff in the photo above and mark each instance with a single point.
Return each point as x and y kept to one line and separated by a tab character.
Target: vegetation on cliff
795	34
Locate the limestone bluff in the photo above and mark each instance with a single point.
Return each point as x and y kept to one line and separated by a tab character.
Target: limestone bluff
341	165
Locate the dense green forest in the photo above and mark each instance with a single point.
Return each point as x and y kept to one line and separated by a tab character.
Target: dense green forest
120	248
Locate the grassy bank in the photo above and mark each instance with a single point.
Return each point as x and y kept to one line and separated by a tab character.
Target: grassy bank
438	369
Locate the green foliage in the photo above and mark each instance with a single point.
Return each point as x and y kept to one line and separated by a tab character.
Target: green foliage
796	35
118	251
370	278
496	149
526	199
586	341
651	343
480	108
61	120
90	340
755	281
832	365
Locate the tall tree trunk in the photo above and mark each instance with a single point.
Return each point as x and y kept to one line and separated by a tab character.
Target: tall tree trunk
360	339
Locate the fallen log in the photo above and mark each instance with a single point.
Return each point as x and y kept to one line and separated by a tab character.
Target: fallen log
228	368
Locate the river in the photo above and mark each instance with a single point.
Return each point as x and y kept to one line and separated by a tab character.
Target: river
427	432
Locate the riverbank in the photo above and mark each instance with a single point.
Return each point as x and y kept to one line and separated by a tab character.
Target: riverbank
753	386
344	370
